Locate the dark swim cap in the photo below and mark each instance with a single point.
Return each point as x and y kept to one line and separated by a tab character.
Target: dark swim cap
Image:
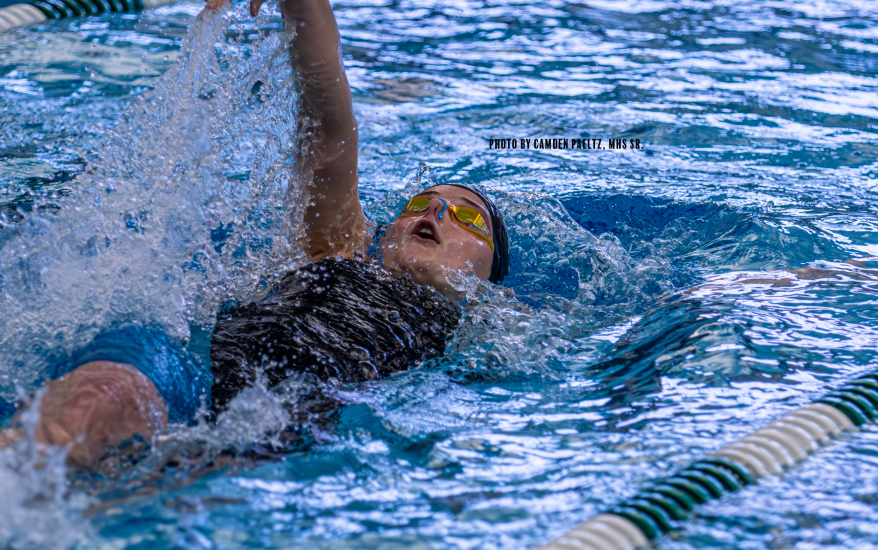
500	262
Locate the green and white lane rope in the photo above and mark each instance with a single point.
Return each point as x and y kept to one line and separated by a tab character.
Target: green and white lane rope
650	513
38	11
636	522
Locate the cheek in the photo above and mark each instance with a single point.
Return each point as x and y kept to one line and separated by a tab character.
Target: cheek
483	257
394	232
474	251
393	228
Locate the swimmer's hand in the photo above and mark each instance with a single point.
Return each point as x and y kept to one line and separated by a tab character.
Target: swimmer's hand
255	5
99	406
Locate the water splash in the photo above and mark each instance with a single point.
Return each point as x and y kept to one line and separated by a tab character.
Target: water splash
37	511
164	225
565	285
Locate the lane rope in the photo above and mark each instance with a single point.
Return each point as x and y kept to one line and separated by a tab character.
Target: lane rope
638	521
635	522
38	11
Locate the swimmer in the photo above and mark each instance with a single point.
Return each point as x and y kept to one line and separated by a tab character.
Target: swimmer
373	302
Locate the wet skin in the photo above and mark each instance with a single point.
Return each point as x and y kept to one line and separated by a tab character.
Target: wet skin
426	246
99	405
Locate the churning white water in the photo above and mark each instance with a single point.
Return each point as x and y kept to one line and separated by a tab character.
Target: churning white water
163	225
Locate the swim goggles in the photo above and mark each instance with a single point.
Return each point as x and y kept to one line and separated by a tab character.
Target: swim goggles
464	216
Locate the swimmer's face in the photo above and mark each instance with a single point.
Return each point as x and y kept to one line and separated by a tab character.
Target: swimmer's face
425	246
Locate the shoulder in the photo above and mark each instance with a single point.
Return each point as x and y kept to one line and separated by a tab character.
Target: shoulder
347	241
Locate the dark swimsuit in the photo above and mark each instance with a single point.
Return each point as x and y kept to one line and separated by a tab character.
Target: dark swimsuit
342	320
337	320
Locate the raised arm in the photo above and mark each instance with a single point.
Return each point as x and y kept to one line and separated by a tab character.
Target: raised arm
335	223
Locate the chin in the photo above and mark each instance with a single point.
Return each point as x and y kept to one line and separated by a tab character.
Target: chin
424	271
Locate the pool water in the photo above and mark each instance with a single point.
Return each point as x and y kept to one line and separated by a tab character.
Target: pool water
648	318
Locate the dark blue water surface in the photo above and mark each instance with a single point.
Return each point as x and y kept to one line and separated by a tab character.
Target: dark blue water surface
650	316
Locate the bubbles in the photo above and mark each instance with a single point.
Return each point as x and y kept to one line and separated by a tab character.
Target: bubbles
254	415
164	225
529	422
36	510
565	285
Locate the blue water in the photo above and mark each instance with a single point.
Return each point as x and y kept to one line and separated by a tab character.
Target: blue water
649	318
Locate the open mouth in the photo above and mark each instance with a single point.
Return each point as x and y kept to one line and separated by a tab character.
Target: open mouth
425	231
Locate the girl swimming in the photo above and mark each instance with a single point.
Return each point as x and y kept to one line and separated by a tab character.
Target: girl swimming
375	300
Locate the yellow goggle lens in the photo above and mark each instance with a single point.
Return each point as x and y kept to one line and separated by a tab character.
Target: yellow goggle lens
466	217
418	204
470	216
471	220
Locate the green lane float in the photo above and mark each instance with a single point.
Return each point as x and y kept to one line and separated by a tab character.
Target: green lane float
38	11
633	523
650	513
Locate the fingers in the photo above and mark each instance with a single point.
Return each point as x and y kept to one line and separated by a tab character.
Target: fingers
212	5
255	6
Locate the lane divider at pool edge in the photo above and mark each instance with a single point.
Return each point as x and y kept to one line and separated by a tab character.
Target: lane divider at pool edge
650	513
37	11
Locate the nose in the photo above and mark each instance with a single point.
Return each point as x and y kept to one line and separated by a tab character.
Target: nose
438	207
